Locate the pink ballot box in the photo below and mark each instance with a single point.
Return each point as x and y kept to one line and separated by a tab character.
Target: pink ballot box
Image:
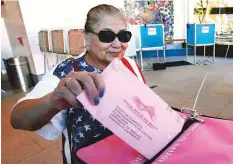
210	142
133	112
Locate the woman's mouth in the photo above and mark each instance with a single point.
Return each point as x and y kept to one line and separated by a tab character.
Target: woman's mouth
115	54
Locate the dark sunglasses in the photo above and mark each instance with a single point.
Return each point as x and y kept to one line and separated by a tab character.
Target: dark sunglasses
109	36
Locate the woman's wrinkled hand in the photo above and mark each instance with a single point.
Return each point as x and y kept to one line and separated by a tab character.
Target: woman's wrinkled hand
64	96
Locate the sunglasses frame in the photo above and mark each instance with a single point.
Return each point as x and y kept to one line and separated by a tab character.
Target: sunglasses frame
116	35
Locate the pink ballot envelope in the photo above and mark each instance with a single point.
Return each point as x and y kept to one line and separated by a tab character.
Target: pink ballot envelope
133	112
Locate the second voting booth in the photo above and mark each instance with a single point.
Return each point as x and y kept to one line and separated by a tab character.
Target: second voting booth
201	35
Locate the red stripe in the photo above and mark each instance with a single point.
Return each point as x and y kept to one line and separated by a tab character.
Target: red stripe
127	64
143	78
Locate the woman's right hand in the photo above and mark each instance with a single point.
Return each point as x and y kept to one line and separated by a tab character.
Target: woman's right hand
64	96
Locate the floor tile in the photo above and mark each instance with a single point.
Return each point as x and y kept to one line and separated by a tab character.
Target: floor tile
161	91
202	110
173	97
221	88
8	103
228	78
174	105
160	84
188	87
158	90
164	77
211	100
170	78
6	108
51	155
43	143
210	79
7	130
227	113
17	148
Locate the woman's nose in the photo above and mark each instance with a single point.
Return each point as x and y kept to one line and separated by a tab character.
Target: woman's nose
116	43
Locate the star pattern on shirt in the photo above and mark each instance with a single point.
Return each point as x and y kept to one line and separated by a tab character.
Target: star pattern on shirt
97	70
81	135
62	64
84	127
63	73
71	110
83	64
84	109
87	127
76	140
103	126
97	135
93	119
79	119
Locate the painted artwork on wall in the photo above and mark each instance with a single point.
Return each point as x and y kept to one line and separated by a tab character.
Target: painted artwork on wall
152	12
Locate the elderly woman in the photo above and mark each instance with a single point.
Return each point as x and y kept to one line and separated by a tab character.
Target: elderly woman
51	108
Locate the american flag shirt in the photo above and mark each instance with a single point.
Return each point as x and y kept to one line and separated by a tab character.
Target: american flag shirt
85	129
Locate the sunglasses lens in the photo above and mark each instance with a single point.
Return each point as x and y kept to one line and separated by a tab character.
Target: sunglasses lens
106	36
124	36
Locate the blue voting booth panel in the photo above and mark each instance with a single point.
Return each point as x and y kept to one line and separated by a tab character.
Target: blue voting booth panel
204	34
191	34
152	36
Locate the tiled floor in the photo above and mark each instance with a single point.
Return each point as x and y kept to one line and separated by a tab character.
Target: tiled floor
178	86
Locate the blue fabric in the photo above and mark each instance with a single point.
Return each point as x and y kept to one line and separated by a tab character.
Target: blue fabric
85	129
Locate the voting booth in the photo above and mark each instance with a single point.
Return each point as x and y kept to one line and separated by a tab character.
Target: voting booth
201	35
150	37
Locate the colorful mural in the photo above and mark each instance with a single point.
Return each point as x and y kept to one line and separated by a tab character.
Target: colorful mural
152	12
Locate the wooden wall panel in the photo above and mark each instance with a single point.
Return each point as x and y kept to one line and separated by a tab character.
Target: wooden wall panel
57	41
43	41
76	41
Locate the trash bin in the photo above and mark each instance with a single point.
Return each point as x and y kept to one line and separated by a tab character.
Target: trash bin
18	72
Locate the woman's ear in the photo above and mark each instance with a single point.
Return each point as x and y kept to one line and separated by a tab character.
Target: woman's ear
87	39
